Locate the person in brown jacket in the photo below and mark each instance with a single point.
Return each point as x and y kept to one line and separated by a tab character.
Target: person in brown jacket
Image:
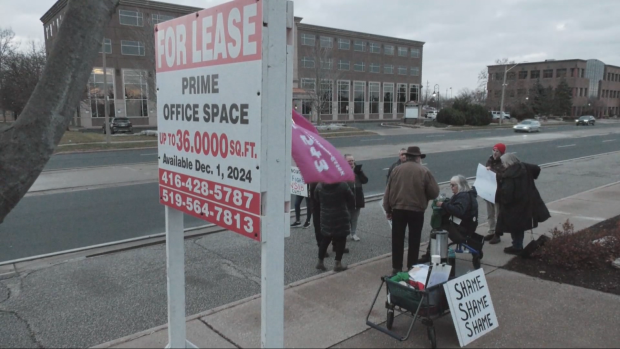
494	163
409	189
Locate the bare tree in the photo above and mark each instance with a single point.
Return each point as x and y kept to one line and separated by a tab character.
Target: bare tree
27	145
324	70
7	48
20	77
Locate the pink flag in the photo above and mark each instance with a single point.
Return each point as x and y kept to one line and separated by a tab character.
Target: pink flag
317	159
301	121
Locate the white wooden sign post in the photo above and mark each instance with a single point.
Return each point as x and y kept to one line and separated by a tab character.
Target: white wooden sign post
471	306
224	102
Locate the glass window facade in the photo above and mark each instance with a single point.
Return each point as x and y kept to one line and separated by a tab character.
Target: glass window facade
326	96
388	69
133	18
343	97
157	18
108	46
344	64
307	62
308	84
359	45
375	68
132	48
402	98
375	48
388	50
415	53
344	44
358	97
327	42
388	98
374	90
97	92
308	39
403	51
595	71
359	66
413	93
135	84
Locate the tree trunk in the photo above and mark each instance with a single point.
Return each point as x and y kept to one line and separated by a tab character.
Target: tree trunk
28	144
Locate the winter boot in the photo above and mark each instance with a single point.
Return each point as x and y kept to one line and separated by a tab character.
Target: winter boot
339	267
320	265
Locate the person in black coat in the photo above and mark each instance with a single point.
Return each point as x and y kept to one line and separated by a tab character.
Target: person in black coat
522	206
335	201
358	192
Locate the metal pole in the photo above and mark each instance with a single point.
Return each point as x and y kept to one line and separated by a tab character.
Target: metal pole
501	107
105	95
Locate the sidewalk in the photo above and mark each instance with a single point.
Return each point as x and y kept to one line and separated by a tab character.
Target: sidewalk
329	310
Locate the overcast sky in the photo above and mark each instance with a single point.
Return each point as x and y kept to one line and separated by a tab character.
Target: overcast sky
462	36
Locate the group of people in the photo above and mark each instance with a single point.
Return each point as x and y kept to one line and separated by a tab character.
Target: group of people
334	210
410	187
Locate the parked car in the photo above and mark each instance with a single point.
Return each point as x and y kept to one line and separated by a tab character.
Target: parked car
585	120
431	114
496	115
528	125
119	125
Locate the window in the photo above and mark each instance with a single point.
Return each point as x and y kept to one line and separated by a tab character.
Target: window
343	64
359	45
326	96
388	98
108	46
547	73
583	73
308	39
388	69
307	62
402	98
375	48
156	18
132	48
343	97
523	74
327	64
413	92
560	73
415	71
358	97
308	84
402	51
415	53
133	18
373	97
535	74
388	50
521	92
402	70
511	76
97	92
327	42
344	44
306	107
136	92
359	66
375	68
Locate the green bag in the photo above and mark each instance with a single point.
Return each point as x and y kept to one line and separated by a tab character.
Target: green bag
437	216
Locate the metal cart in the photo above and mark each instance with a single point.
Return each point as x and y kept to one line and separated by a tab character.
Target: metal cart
427	305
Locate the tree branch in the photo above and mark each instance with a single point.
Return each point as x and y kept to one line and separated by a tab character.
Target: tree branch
27	145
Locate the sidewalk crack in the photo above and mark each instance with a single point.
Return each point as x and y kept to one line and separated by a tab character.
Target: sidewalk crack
33	337
219	333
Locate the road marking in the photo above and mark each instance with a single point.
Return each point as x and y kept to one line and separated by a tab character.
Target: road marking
385	169
609	140
149	154
565	146
560	212
372	140
435	136
479	133
597	219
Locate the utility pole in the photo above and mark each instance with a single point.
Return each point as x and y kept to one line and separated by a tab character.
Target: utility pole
501	107
105	95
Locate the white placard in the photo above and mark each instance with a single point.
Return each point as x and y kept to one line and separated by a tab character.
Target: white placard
471	306
411	112
298	186
209	78
486	183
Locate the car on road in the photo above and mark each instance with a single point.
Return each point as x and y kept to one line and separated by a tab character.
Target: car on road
431	114
585	120
496	115
119	125
528	125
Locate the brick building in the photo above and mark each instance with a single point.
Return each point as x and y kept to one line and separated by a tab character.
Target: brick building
595	85
366	76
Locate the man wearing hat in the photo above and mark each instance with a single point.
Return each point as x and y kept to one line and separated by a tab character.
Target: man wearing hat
494	164
409	189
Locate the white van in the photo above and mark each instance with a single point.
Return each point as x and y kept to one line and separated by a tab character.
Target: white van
496	115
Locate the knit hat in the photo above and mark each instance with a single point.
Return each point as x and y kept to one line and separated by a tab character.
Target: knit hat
501	147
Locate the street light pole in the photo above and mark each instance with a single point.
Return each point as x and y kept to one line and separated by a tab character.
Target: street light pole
501	107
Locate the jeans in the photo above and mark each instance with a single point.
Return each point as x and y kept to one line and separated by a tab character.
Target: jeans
517	239
298	200
355	214
339	246
401	219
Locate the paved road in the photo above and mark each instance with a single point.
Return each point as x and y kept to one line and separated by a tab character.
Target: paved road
64	161
57	222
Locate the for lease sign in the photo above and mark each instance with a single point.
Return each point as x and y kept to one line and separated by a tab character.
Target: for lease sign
209	76
471	306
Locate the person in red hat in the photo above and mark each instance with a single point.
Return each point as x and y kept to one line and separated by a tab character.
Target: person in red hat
494	163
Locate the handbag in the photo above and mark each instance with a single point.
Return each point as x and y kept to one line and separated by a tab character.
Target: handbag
534	245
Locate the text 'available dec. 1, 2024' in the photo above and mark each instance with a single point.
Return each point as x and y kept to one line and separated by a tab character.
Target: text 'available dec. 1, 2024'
209	76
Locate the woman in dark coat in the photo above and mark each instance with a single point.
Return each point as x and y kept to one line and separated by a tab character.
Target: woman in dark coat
335	201
522	206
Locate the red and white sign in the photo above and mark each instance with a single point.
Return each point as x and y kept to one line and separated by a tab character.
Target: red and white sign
209	76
